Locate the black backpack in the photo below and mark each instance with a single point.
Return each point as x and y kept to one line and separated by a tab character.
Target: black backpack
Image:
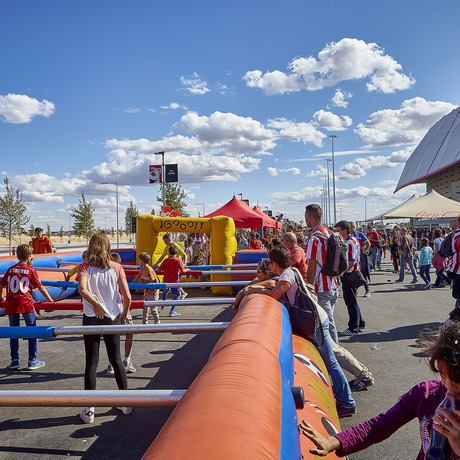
303	314
446	246
336	262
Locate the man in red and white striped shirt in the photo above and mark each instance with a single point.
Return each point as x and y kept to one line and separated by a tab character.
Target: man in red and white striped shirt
453	266
325	286
355	320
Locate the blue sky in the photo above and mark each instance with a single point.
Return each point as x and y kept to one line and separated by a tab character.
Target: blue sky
242	95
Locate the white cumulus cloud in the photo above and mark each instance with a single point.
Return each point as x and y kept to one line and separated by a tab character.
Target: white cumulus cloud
194	84
359	167
297	132
339	99
19	108
330	121
347	59
405	125
174	106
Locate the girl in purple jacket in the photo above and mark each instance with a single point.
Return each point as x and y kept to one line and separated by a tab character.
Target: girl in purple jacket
420	401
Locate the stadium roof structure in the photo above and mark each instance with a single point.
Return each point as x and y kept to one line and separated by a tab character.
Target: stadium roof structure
437	151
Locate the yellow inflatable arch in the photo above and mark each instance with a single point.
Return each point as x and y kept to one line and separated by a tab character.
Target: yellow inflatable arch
222	243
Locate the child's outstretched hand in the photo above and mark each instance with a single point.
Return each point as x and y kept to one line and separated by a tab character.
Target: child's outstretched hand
323	445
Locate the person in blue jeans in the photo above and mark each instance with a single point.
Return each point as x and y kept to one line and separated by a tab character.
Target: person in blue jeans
426	257
19	281
280	264
405	250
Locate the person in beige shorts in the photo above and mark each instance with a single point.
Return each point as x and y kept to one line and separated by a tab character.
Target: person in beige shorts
147	275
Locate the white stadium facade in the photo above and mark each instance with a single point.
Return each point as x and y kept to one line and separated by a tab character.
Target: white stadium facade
436	160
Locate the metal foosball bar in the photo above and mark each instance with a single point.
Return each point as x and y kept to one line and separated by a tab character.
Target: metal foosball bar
135	304
90	398
43	332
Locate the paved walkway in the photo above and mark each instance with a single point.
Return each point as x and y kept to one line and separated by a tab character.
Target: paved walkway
395	314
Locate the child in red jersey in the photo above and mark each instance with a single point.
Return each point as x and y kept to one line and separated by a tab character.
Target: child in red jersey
19	281
171	268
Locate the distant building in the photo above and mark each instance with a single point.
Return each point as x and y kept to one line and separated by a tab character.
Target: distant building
436	160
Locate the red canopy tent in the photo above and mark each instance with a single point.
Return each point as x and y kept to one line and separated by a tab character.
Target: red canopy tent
269	222
241	213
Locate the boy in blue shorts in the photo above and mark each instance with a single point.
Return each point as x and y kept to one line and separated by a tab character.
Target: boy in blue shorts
171	268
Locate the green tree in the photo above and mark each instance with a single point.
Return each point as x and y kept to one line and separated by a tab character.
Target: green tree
175	195
48	230
12	212
82	215
131	211
61	231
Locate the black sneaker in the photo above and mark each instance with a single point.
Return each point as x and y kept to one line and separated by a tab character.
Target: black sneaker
361	383
343	411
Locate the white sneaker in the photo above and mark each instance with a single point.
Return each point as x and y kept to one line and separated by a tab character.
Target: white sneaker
367	294
184	295
87	414
110	370
125	410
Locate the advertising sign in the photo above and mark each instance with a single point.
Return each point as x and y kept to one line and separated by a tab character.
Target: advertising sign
171	173
155	174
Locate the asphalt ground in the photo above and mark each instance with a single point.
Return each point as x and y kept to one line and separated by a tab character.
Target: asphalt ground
395	315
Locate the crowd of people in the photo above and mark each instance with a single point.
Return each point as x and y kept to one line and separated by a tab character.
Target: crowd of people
364	254
296	259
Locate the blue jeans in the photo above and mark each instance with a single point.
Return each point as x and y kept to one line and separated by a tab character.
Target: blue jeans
174	291
373	257
327	301
425	273
340	387
403	267
29	318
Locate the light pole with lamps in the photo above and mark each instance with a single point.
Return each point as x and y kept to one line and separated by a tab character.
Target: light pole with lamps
329	192
332	137
163	178
116	195
201	204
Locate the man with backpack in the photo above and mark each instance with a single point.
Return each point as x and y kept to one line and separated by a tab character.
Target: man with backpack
326	287
355	319
452	251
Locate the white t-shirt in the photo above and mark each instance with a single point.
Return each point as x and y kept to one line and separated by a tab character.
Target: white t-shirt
103	284
437	244
288	276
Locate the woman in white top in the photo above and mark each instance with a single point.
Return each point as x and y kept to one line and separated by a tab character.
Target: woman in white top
280	264
100	282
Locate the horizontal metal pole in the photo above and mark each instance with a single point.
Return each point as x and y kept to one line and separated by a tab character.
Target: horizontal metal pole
206	301
52	269
90	398
42	332
204	267
155	285
227	272
141	329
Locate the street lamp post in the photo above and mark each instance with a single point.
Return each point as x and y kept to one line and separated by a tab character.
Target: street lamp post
163	178
116	197
365	208
201	204
332	137
329	192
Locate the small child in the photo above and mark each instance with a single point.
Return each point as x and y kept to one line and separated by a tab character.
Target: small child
147	275
19	281
171	267
426	257
128	365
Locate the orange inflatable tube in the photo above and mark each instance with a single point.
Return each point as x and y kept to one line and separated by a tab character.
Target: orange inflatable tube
240	406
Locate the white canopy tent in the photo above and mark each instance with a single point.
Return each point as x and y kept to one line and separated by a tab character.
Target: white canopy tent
432	205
